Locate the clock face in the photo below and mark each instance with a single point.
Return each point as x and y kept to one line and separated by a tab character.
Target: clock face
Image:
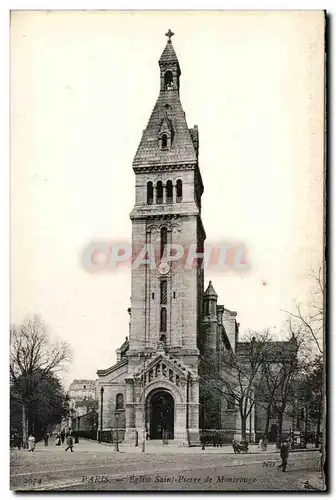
163	268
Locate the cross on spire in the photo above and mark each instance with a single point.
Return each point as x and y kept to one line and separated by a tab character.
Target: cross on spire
169	34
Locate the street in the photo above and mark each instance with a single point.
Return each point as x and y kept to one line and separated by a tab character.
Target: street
94	466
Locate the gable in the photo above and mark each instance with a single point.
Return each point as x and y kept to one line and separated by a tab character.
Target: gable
164	367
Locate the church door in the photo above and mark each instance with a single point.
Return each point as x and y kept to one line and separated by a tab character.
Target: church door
161	415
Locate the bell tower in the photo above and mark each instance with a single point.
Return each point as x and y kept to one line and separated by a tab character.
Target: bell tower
166	298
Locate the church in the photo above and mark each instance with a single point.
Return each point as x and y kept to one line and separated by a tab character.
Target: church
154	387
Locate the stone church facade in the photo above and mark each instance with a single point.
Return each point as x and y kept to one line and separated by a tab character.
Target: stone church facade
155	384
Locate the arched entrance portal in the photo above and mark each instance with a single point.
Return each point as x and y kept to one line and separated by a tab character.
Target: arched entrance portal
160	404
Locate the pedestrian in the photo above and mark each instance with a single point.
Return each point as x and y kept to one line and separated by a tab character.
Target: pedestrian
62	435
18	440
284	452
69	443
58	440
31	443
264	444
260	445
46	438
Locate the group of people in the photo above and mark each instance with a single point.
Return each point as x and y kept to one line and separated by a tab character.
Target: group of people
65	435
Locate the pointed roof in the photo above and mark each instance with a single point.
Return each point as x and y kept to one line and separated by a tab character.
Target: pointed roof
182	149
210	291
168	54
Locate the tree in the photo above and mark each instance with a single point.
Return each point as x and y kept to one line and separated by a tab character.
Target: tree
233	376
312	322
33	358
280	369
310	394
48	404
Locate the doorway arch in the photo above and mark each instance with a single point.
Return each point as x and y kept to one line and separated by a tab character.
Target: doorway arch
161	409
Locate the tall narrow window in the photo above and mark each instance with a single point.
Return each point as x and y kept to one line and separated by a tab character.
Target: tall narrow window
163	240
159	192
163	319
149	193
119	402
179	191
164	141
163	292
169	192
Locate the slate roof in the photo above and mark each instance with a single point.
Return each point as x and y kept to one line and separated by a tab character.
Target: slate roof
210	291
102	373
168	54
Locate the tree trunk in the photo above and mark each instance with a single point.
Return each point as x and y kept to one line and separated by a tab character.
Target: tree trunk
243	427
24	426
268	417
318	428
306	424
280	421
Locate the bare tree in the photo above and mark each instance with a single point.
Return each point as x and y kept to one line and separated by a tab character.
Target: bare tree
233	376
32	358
313	321
280	369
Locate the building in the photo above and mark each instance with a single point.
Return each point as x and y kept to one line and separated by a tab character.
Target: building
83	405
155	384
82	389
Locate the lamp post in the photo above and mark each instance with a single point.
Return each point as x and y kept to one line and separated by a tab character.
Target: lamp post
144	406
101	413
117	437
145	356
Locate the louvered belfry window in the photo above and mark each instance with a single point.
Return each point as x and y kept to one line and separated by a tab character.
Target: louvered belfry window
159	192
169	192
179	191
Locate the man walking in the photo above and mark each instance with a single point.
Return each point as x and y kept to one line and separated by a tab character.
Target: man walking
69	443
46	438
62	435
284	452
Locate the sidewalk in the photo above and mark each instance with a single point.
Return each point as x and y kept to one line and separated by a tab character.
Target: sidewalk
154	447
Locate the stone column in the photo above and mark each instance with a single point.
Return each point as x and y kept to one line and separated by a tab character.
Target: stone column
129	412
194	411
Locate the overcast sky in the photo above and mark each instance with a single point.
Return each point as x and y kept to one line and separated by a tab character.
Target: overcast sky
83	87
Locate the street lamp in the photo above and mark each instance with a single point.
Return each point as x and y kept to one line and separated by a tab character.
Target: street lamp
117	437
101	413
145	356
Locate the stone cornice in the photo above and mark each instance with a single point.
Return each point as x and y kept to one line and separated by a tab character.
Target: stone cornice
166	167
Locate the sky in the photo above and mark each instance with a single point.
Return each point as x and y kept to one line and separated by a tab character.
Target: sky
83	85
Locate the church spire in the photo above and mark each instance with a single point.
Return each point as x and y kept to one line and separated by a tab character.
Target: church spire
167	139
